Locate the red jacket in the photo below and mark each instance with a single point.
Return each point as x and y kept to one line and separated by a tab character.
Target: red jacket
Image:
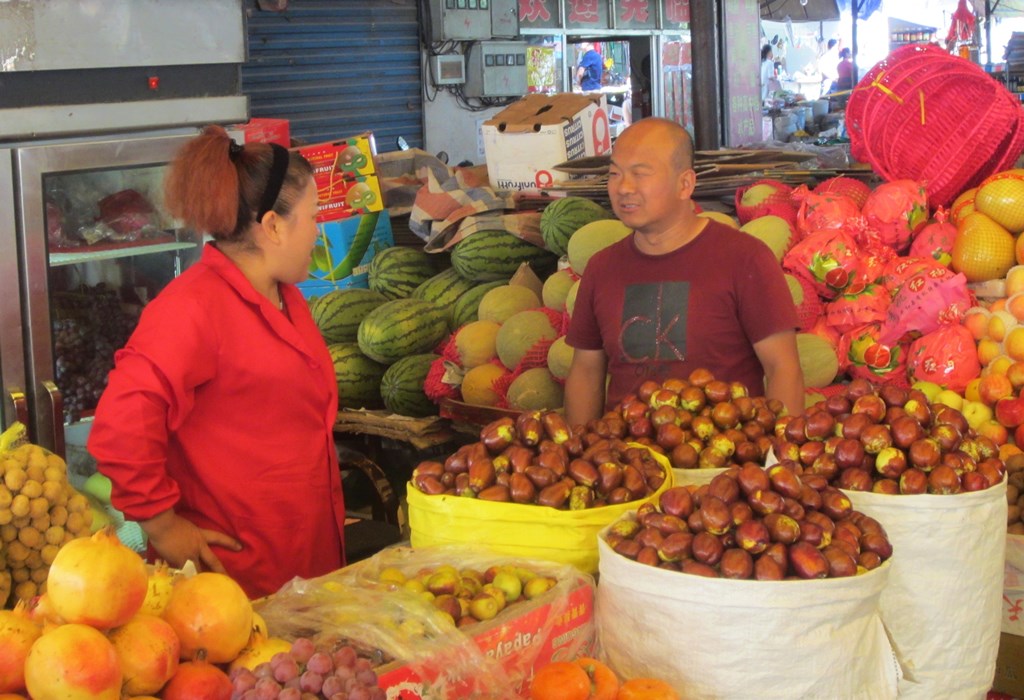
222	408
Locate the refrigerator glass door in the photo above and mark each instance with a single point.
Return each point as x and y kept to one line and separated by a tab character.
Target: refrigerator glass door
97	245
14	406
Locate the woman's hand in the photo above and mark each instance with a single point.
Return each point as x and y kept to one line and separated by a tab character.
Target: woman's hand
176	540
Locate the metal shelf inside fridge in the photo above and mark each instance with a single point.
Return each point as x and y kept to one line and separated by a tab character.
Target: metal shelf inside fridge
57	259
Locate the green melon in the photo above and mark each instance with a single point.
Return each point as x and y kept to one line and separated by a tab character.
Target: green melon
556	289
818	360
492	255
401	387
501	303
358	376
589	239
520	334
535	390
338	313
395	272
444	289
570	298
559	358
466	308
563	217
402	327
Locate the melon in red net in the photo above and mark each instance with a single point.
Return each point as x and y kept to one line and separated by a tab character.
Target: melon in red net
927	300
808	305
857	306
826	259
762	198
895	210
862	355
827	210
899	270
850	187
935	239
947	356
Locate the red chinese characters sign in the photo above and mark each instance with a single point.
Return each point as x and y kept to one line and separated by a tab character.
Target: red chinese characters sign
634	14
538	13
677	13
586	14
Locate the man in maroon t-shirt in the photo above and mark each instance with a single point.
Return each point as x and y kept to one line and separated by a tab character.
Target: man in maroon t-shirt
682	292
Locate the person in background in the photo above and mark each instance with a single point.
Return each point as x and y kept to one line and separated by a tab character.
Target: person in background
216	425
827	67
767	72
681	292
590	68
844	71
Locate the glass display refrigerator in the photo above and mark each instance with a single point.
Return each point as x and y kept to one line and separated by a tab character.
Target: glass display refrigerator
86	245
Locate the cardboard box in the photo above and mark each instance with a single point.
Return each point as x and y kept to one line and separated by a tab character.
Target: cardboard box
524	142
507	640
344	158
347	197
1010	665
343	253
266	131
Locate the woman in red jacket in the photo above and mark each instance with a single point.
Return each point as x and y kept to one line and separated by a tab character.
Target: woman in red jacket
216	426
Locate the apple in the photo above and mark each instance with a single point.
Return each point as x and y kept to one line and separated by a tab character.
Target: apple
976	413
98	486
950	398
772	230
1010	411
999	324
995	431
1015	373
1018	435
971	390
509	584
988	350
929	389
993	387
484	606
976	321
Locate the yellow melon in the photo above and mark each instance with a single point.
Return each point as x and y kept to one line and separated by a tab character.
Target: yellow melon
570	298
478	385
535	389
521	334
501	303
983	250
556	289
474	343
559	358
591	238
1001	198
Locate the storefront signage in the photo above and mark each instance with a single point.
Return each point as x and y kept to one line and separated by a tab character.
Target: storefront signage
676	14
539	14
742	79
586	14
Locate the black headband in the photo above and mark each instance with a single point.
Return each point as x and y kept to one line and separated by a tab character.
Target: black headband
274	181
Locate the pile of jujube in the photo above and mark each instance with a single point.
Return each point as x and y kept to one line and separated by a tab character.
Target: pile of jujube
754	523
889	440
536	458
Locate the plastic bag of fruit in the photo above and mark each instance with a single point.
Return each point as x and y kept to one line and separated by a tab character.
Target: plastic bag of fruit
946	356
924	302
818	637
861	354
942	602
449	621
828	259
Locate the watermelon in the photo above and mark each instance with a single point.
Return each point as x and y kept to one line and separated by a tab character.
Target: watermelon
338	314
492	255
444	289
401	388
564	217
395	272
466	308
358	377
402	327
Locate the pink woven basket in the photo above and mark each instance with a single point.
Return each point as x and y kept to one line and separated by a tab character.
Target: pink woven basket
923	114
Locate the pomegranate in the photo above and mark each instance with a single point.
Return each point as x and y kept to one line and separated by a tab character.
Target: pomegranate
198	680
147	650
259	649
17	632
96	581
73	662
210	612
158	589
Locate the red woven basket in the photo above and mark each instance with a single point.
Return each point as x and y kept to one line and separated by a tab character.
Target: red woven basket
923	114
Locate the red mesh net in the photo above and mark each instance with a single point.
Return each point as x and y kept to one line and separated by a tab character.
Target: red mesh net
434	385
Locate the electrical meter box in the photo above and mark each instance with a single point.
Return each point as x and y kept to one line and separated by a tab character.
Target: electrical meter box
469	20
496	69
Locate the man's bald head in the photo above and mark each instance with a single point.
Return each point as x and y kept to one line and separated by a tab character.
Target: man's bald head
674	137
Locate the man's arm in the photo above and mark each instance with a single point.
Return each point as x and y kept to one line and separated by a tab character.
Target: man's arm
580	72
584	387
784	380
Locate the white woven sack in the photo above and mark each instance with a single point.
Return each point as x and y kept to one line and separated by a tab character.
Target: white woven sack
942	605
722	638
1013	586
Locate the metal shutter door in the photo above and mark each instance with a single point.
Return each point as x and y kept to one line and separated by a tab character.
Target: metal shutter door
334	68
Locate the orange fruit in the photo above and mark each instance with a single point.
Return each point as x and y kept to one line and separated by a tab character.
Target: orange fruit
1001	197
560	680
646	689
604	682
983	250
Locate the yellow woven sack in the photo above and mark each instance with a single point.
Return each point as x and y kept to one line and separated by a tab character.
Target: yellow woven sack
526	530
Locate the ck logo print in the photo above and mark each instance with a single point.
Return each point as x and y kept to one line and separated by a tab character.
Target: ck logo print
654	322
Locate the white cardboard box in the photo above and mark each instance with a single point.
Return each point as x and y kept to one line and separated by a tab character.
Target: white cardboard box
524	141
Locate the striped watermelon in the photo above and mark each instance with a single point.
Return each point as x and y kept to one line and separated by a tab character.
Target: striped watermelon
338	314
564	216
402	327
465	308
492	255
402	386
395	272
358	377
444	289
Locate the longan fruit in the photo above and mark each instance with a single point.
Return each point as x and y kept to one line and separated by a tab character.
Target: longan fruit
20	456
20	574
52	490
32	488
17	552
21	522
35	473
30	537
1012	514
75	523
77	503
37	458
39	575
26	590
19	506
38	507
54	474
8	533
54	535
42	524
5	497
58	515
15	478
34	560
55	462
48	552
8	464
1012	494
6	516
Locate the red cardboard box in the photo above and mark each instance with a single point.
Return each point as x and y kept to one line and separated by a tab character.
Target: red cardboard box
347	197
350	157
266	131
511	642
